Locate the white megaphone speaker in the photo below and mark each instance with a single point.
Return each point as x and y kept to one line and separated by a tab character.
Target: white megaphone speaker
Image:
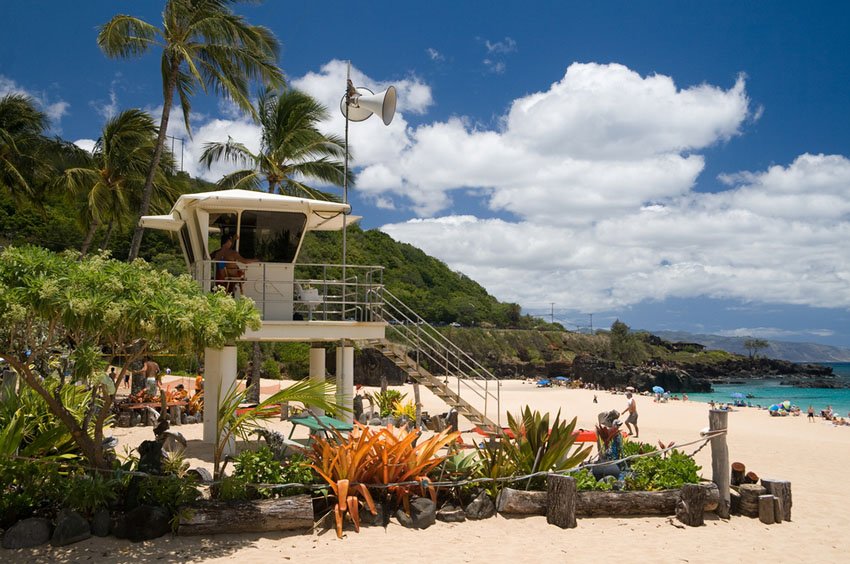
362	103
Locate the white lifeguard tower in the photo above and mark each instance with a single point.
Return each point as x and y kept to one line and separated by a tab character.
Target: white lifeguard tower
297	302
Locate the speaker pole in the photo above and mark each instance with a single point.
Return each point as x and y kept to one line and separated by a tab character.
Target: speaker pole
345	188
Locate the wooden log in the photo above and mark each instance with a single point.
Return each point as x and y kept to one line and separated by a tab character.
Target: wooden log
777	510
718	420
738	471
781	489
417	421
521	502
734	502
690	507
590	504
215	517
561	509
766	514
284	411
751	478
750	499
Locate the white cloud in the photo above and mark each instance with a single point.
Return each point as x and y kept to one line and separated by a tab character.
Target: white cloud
434	55
86	144
774	332
54	110
507	45
494	67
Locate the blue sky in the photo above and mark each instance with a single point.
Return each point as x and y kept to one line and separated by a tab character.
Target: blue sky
679	165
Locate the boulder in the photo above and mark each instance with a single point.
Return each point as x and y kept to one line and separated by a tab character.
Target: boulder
202	474
423	514
145	522
71	527
101	522
451	514
27	533
482	507
369	520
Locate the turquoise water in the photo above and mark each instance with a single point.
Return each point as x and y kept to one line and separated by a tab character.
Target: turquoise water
768	392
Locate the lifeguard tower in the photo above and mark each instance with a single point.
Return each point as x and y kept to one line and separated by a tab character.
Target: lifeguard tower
297	302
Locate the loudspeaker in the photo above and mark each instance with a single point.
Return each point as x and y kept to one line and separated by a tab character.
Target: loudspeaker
365	103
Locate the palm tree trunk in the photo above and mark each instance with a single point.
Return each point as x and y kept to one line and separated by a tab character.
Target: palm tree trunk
108	235
145	204
84	248
253	395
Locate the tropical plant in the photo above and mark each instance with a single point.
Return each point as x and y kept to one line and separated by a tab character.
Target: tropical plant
169	491
60	314
233	423
540	447
27	486
21	141
657	473
406	409
258	467
115	174
386	400
386	456
204	44
586	481
86	493
292	148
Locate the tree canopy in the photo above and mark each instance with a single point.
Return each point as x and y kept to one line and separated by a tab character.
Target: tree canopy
63	317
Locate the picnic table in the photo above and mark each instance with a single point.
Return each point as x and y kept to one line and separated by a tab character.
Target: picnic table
319	424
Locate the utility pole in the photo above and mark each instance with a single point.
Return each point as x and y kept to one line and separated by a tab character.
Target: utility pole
591	324
552	313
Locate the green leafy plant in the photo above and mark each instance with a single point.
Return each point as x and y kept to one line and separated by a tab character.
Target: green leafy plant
170	492
233	488
27	487
258	467
631	448
586	481
386	400
539	446
651	473
86	493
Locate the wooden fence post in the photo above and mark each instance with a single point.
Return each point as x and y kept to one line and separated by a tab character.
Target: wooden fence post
561	501
718	420
782	491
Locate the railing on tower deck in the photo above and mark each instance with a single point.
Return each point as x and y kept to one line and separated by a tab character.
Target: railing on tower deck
441	357
309	292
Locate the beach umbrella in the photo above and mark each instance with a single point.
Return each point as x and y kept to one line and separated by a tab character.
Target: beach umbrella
774	407
737	395
630	388
657	390
786	404
562	378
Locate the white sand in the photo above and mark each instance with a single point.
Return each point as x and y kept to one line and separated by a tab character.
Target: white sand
813	456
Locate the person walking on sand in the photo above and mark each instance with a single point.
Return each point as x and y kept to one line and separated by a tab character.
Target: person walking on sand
631	408
811	413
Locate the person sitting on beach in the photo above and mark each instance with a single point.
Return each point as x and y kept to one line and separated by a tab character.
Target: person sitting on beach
180	393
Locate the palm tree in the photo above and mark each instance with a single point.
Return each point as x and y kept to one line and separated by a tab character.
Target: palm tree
21	141
204	44
113	178
292	148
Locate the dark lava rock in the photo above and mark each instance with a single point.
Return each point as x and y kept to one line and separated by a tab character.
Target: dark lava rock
482	507
27	533
145	522
71	527
423	514
377	520
101	523
451	514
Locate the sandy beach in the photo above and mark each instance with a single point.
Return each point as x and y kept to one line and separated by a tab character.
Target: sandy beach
810	455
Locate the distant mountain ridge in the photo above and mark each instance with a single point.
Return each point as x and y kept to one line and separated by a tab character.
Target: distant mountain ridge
783	350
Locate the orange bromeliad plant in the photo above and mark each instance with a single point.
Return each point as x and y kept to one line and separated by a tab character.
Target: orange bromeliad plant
369	456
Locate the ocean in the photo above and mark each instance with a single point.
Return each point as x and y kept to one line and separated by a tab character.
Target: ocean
768	392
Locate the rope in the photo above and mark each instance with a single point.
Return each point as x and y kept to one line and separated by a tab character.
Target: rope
704	439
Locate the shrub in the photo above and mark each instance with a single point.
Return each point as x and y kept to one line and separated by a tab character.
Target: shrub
258	467
27	487
86	493
406	409
386	401
657	473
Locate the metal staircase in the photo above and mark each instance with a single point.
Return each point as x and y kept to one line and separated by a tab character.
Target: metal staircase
431	359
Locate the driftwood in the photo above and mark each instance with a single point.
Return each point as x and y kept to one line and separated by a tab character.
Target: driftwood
782	491
738	471
718	421
590	504
734	502
215	517
751	478
690	507
766	512
561	501
750	499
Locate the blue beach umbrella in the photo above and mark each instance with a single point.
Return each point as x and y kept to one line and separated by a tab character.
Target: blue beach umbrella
737	395
562	378
657	390
774	407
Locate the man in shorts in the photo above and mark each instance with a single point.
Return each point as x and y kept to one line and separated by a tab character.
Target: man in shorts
631	409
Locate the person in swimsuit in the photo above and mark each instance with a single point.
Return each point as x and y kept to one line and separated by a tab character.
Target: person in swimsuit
631	408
